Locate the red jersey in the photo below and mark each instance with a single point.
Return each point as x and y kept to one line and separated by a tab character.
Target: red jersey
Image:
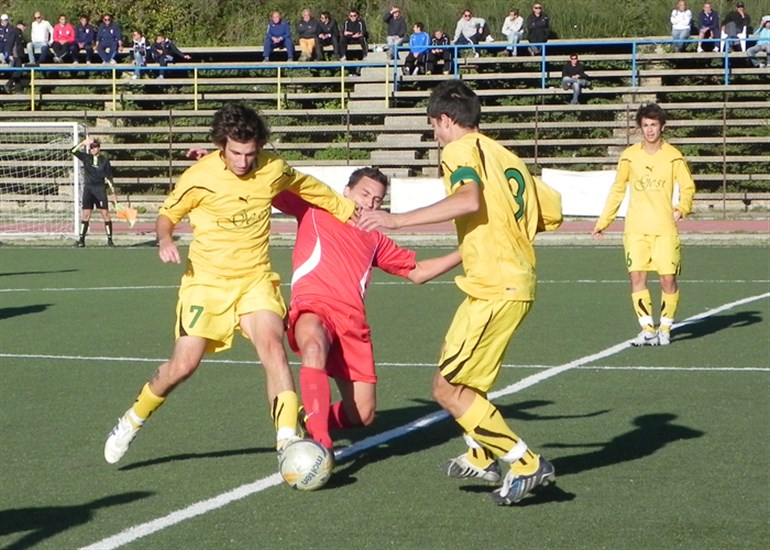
333	261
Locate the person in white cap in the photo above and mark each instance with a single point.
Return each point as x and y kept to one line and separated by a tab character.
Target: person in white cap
762	45
5	28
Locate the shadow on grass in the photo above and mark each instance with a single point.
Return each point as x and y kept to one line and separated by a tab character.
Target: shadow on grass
653	432
716	323
47	521
435	435
12	273
8	312
196	456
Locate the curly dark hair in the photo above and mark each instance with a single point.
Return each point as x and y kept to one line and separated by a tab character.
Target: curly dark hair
457	101
240	123
652	111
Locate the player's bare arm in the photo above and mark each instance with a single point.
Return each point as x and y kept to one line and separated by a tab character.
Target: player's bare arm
465	200
167	249
430	268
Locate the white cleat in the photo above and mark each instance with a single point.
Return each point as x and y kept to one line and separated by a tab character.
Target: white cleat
461	468
645	338
664	337
119	439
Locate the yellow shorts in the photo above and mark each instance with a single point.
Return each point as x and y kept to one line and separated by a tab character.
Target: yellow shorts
476	341
210	307
659	253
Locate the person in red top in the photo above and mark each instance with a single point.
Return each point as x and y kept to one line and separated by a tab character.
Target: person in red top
332	268
64	40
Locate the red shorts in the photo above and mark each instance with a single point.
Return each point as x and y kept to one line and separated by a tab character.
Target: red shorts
350	356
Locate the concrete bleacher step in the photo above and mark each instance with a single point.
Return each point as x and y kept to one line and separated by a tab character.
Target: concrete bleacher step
400	140
392	157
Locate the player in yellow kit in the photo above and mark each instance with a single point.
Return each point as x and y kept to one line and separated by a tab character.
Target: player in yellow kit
229	281
497	208
651	241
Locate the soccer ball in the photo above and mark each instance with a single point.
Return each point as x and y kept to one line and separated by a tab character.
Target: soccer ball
306	465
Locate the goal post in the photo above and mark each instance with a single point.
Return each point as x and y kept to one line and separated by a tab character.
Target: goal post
40	180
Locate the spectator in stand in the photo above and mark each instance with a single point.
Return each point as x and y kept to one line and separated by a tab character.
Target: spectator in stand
109	40
41	38
63	40
436	52
329	34
354	32
419	43
278	36
681	20
762	45
5	31
138	53
708	26
307	33
736	25
85	38
14	51
538	28
164	51
513	30
396	33
573	76
470	30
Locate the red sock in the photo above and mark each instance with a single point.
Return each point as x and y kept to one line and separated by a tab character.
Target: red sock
316	398
338	420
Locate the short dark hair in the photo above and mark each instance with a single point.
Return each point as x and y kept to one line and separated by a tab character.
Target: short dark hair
240	123
95	143
457	101
652	111
368	172
420	25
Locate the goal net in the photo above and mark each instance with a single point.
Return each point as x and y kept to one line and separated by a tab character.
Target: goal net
39	179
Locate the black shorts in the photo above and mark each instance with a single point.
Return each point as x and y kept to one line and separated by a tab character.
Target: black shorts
94	196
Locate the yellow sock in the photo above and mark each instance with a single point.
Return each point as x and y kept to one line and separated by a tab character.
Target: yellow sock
668	306
284	413
480	457
642	301
484	423
146	404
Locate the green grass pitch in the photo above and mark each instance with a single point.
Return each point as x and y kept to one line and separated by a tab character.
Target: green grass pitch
654	448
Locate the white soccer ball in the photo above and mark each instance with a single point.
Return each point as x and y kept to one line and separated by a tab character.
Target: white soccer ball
306	465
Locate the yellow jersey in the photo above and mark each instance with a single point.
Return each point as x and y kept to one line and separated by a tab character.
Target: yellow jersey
495	241
230	215
651	180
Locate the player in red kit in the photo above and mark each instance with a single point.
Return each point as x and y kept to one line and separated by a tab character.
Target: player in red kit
333	262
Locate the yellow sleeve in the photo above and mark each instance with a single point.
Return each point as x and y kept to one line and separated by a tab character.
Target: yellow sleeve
683	178
616	195
318	193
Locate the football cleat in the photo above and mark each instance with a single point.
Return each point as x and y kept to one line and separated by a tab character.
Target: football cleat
119	439
283	444
461	468
515	487
302	432
645	338
664	337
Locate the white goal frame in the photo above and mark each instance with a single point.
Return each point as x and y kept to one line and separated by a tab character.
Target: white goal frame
40	179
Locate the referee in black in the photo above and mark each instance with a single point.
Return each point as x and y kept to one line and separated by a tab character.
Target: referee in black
98	172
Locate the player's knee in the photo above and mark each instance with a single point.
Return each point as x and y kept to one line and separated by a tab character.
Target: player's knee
366	414
442	391
313	352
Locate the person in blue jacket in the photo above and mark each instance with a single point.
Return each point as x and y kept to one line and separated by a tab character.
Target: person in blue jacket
278	36
419	43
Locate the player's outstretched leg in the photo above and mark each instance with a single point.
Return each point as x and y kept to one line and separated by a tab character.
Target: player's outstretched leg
129	424
516	486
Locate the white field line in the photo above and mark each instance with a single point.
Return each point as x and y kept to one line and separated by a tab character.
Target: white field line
201	507
383	283
380	365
